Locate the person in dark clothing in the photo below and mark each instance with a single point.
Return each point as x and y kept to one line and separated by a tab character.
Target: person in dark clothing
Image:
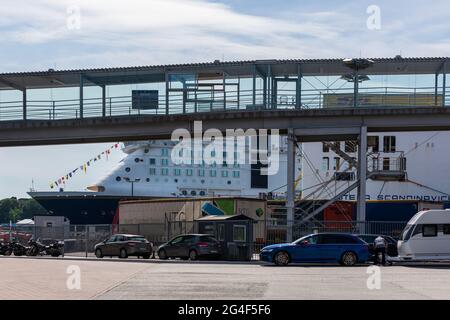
380	245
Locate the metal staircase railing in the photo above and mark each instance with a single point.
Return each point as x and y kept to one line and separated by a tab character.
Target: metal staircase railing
378	168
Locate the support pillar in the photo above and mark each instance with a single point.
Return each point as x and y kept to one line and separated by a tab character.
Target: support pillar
290	192
103	100
254	86
81	95
362	176
24	104
298	89
444	78
436	79
355	90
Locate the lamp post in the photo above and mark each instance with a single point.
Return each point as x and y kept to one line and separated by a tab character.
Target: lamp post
356	65
132	181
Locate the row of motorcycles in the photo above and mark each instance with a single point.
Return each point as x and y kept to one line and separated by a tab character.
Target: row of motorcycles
34	248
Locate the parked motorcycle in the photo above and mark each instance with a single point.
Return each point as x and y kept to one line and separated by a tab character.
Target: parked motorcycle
19	249
55	249
5	249
36	248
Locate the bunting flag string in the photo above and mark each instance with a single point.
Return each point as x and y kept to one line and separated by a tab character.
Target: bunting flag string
63	179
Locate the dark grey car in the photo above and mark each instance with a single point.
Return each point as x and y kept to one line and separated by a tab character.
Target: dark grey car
124	245
190	246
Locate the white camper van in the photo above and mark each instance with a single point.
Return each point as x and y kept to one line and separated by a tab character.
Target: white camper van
426	237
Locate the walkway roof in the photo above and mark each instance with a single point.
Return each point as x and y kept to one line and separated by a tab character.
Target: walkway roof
145	74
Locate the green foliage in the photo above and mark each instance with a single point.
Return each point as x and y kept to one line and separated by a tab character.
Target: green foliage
17	209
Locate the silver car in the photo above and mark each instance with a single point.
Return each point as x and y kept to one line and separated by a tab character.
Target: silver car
124	245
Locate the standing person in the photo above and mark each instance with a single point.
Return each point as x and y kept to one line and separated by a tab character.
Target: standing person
380	245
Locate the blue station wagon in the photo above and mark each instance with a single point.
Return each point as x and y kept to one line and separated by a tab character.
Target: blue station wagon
345	249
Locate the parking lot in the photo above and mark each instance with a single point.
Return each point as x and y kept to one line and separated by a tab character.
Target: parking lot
47	278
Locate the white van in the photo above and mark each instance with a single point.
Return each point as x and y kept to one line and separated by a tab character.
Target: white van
426	237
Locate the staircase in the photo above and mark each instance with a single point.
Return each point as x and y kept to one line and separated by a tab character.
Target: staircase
379	168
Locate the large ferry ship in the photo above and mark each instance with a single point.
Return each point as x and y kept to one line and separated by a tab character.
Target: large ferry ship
396	167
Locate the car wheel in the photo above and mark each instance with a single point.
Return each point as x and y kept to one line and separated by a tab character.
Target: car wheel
123	253
146	256
193	255
349	259
162	254
281	258
7	253
98	253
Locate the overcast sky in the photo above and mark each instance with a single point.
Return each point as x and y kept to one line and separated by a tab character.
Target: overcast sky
43	34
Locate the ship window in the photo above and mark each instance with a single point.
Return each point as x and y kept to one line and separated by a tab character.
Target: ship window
389	144
386	164
177	172
429	230
224	174
201	173
236	174
228	182
148	179
212	173
325	148
202	181
224	164
337	163
146	150
202	193
373	142
164	171
152	171
118	179
164	152
193	193
350	146
446	228
184	192
137	160
325	163
164	162
189	172
175	180
344	176
127	169
152	161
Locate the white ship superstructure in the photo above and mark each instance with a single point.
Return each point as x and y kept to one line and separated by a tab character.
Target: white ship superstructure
148	170
413	166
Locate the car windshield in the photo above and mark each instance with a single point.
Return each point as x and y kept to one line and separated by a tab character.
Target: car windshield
406	234
139	239
208	239
301	239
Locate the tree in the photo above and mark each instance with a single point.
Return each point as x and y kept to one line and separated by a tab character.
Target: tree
13	209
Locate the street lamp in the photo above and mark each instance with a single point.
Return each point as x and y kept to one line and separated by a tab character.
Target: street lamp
132	181
356	64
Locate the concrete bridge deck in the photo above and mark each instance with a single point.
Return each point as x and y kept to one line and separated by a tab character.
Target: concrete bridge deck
308	125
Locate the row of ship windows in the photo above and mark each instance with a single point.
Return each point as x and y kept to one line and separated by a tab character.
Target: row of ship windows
373	142
165	153
190	172
165	162
118	179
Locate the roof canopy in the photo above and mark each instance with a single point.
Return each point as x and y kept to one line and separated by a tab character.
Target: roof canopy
157	73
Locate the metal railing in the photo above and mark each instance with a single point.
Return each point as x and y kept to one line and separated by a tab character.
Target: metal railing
79	240
191	100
